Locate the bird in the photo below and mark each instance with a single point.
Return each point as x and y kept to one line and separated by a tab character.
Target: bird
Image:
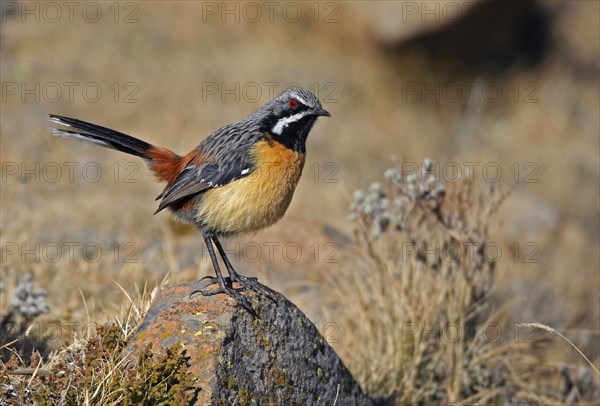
238	180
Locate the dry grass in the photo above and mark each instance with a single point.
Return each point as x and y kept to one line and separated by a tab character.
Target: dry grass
416	303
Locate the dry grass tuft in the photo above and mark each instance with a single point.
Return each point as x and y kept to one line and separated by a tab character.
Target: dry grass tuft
416	301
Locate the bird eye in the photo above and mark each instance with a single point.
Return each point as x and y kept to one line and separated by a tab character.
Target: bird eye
293	103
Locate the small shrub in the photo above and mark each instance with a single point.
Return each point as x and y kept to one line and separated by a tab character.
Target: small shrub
414	300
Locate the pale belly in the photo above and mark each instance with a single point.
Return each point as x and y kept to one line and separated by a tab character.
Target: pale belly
256	201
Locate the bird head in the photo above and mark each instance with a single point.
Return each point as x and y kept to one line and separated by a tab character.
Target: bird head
290	116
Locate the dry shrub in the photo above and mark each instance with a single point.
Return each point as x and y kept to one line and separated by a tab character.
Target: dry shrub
415	302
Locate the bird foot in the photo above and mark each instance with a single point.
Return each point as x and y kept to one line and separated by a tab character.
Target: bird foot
252	283
231	292
245	282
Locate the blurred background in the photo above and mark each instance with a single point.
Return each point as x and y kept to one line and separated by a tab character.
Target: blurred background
509	89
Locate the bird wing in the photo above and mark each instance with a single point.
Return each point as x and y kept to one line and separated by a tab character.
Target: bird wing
219	159
196	178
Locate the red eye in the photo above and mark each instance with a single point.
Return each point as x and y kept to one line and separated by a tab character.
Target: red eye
293	103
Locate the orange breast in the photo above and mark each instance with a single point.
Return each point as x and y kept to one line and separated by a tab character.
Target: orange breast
258	200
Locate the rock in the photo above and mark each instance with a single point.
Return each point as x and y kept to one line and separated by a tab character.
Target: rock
279	358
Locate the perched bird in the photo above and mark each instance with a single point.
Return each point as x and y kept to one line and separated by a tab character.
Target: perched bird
240	179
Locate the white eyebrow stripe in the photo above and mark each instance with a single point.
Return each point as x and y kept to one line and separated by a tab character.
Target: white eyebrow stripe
301	100
285	121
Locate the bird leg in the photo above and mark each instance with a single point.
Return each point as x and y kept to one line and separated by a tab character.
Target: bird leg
223	288
246	281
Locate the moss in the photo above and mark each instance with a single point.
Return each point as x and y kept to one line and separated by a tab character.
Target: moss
244	397
229	381
280	378
262	336
155	379
158	379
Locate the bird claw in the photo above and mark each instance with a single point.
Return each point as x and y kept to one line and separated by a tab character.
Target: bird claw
240	299
212	280
228	290
245	282
252	283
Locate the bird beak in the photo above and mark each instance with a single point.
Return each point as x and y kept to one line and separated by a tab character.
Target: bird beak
319	111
